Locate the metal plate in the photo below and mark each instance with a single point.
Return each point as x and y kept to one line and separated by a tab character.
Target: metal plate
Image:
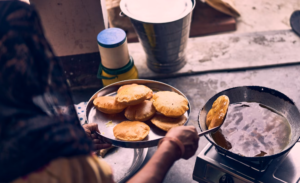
125	166
106	122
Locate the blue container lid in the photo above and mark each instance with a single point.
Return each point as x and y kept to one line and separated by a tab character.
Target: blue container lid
111	37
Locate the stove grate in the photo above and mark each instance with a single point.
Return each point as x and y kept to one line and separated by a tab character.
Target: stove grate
259	166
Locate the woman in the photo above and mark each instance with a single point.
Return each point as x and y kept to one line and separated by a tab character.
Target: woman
41	139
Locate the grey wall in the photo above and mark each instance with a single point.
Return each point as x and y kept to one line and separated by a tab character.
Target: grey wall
71	26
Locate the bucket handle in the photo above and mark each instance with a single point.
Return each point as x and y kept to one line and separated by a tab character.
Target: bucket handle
121	14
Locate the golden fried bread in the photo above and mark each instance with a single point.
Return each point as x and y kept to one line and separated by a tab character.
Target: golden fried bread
132	94
125	86
218	111
166	123
140	112
170	104
108	105
131	130
149	95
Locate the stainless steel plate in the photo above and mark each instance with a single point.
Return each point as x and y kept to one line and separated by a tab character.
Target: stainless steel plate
125	166
106	122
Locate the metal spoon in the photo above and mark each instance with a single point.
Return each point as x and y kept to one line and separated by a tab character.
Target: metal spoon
213	129
209	131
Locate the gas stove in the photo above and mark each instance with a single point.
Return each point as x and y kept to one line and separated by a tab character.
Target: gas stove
214	167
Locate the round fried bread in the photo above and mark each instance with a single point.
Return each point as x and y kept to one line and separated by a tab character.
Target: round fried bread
131	130
133	94
216	114
108	105
140	112
125	86
149	95
170	104
166	123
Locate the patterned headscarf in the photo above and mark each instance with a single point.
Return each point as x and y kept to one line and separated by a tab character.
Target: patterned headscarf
38	122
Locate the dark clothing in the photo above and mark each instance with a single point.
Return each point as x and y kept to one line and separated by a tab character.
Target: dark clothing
38	121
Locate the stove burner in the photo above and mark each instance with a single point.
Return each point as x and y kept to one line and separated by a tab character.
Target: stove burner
212	165
259	166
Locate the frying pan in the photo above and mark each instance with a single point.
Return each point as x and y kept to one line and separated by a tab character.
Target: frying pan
266	96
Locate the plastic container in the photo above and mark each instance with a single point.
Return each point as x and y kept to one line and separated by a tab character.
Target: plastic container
116	63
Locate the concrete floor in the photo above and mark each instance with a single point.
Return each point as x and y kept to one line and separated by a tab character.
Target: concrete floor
265	15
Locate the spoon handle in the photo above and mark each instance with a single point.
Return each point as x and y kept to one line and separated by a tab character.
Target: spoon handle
208	131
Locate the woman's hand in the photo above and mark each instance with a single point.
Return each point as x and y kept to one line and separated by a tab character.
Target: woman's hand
188	137
90	130
167	153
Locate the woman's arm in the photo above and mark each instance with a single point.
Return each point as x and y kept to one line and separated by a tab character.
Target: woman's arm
167	153
158	165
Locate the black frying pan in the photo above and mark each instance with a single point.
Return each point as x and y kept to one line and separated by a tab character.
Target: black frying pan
265	96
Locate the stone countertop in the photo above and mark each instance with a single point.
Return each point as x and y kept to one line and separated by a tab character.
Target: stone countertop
199	88
229	52
204	54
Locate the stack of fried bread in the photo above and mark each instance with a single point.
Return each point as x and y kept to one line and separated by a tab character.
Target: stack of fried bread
165	109
171	107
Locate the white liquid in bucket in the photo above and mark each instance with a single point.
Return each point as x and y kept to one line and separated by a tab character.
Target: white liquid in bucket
157	11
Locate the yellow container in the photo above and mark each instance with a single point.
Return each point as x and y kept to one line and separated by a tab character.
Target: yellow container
110	76
116	63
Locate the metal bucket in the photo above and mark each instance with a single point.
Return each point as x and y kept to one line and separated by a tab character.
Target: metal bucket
164	43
